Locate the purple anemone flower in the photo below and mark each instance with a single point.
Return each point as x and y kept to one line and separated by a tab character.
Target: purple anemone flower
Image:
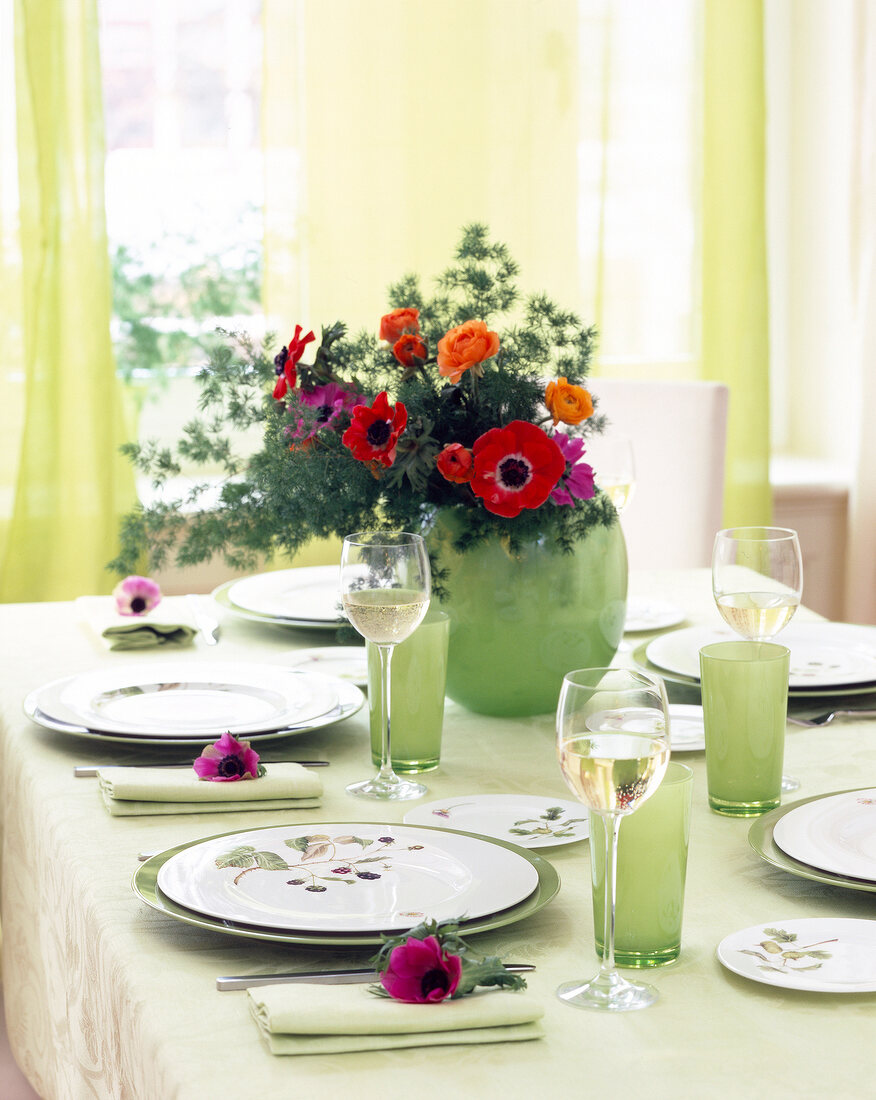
577	481
136	596
421	972
226	760
330	401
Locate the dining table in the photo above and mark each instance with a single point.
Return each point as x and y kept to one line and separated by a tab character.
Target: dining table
106	996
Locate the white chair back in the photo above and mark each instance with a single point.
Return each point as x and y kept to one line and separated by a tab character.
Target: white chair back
679	433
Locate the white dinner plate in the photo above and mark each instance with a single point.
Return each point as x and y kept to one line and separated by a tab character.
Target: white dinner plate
686	729
186	698
346	877
643	615
836	833
350	702
309	594
346	662
822	654
820	955
530	821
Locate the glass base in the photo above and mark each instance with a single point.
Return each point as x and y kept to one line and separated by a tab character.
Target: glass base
387	789
608	993
642	960
743	809
409	767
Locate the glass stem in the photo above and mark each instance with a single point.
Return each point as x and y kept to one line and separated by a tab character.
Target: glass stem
611	824
386	771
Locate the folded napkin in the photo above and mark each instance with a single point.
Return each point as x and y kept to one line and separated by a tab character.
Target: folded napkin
141	634
171	623
332	1019
131	791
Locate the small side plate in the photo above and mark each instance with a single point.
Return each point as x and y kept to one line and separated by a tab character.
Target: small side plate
819	955
528	820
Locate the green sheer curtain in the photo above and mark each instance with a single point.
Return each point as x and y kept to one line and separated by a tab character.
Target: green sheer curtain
64	483
735	313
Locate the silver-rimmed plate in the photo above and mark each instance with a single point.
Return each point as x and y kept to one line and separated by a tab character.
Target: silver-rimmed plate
178	699
350	699
346	877
145	885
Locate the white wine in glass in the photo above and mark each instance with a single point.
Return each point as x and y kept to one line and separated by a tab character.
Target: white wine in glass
385	592
613	748
757	582
614	468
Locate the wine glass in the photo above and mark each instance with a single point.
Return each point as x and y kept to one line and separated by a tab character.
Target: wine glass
757	582
613	748
614	468
385	590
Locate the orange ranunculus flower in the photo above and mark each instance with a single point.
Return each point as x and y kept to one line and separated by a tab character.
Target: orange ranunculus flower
407	347
568	403
464	348
455	463
399	321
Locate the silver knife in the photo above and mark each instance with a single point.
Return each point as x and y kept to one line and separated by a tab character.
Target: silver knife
323	977
87	771
206	624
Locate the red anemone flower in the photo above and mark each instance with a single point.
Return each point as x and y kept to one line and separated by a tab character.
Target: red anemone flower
515	468
285	361
374	432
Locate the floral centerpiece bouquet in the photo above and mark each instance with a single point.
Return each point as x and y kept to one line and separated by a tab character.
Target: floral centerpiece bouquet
470	401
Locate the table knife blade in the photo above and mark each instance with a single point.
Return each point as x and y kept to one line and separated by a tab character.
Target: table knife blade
88	771
323	977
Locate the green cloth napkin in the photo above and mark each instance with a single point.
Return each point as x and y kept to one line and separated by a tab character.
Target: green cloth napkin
333	1019
147	635
127	792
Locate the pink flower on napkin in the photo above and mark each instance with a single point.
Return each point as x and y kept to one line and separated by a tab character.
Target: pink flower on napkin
421	972
226	760
136	595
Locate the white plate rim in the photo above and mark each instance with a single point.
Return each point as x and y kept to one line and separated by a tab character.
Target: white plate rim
429	813
350	701
689	711
793	834
240	594
50	697
343	653
510	880
814	929
668	614
678	651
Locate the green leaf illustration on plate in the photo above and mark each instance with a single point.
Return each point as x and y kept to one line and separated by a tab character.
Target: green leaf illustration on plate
317	850
779	954
542	826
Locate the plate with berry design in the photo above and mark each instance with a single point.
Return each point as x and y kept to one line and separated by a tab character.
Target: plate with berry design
528	820
346	877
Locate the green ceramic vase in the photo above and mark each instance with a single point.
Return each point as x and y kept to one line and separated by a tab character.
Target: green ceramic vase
520	622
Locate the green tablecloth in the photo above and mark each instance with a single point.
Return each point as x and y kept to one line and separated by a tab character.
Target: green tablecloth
107	998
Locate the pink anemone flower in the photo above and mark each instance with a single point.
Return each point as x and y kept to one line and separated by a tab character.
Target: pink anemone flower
136	596
420	972
226	760
577	481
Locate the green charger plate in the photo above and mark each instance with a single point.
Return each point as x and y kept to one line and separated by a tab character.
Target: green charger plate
760	837
145	884
640	656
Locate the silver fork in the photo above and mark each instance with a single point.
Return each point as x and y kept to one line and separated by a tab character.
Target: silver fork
824	719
